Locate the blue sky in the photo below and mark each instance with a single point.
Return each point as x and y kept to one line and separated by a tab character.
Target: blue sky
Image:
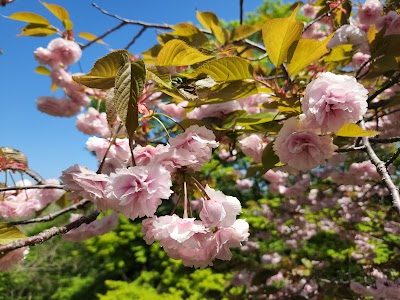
53	144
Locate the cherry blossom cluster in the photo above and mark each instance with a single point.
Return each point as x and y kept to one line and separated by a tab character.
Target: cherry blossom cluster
16	204
137	191
59	54
329	102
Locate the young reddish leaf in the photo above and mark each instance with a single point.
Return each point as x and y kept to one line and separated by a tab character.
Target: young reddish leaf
279	34
225	69
29	18
9	233
102	75
178	53
306	51
353	130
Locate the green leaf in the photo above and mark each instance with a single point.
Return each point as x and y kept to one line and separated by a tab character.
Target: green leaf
225	69
9	233
102	75
306	52
353	130
279	34
29	18
129	84
260	118
189	33
60	12
230	91
221	34
207	19
178	53
163	79
269	158
42	70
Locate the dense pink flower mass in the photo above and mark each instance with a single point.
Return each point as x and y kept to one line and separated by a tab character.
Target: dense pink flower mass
137	191
301	148
98	227
26	202
331	101
370	11
13	257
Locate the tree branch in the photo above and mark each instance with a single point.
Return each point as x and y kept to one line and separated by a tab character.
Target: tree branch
31	187
241	11
381	168
135	38
393	158
389	83
47	234
54	215
29	172
104	35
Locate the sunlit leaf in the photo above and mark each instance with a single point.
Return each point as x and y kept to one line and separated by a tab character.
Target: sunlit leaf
29	18
60	12
178	53
42	70
190	33
9	233
220	33
150	55
37	30
231	91
102	75
90	37
225	69
339	53
353	130
206	19
244	31
306	51
279	34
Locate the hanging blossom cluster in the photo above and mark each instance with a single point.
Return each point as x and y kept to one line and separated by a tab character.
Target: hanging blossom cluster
137	191
59	55
329	102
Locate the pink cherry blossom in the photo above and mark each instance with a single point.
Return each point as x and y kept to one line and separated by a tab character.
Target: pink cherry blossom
119	149
350	34
230	237
301	148
220	210
138	190
13	257
276	176
65	51
98	227
253	146
93	122
145	155
62	107
84	183
198	141
214	110
391	21
63	78
176	111
244	184
331	101
370	11
173	159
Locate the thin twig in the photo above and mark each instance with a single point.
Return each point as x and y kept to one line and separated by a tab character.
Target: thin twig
241	12
350	149
39	179
393	158
364	64
135	38
47	234
104	35
384	141
53	215
30	187
389	83
381	168
320	17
